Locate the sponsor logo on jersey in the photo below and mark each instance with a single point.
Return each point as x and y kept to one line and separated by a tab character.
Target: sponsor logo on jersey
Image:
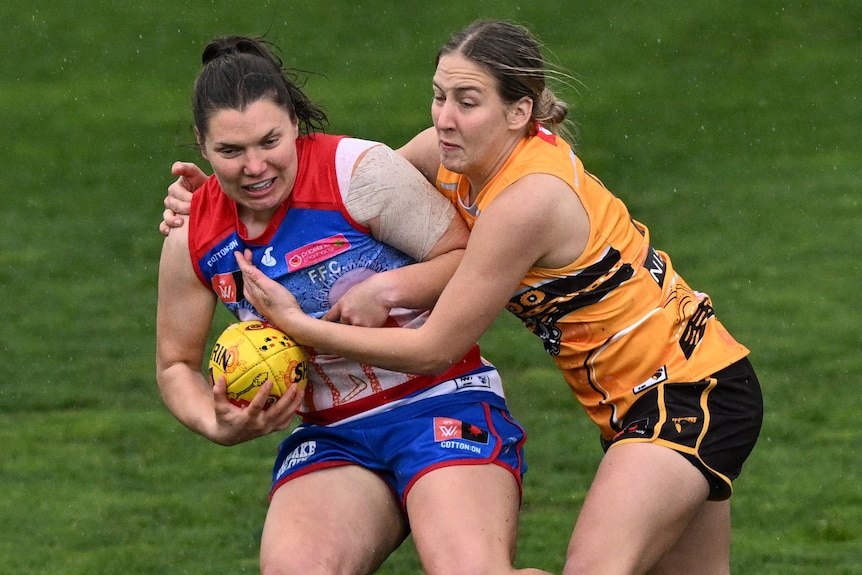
228	286
267	258
696	328
659	376
316	251
473	380
635	429
222	252
303	452
448	429
656	266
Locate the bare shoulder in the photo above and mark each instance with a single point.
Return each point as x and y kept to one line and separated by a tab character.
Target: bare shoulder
175	250
544	211
538	196
421	151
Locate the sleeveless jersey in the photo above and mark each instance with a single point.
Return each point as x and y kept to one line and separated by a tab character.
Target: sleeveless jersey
314	248
619	319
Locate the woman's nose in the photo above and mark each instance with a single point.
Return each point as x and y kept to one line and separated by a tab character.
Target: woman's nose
255	162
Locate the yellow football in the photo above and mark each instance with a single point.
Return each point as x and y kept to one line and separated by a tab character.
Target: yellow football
249	353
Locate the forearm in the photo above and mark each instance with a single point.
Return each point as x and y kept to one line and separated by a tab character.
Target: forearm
416	286
397	349
188	396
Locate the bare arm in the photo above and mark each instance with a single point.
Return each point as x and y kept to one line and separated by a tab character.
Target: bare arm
523	226
405	211
416	286
422	152
184	316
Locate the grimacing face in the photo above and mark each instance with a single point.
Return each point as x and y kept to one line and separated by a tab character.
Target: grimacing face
253	154
476	129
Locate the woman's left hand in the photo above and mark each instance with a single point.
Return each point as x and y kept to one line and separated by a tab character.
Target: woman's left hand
269	297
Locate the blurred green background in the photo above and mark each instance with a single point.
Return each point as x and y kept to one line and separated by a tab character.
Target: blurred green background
730	128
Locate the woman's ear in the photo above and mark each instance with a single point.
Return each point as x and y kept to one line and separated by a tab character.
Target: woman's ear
520	113
200	140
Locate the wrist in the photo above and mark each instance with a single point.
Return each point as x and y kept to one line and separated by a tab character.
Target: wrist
293	323
385	290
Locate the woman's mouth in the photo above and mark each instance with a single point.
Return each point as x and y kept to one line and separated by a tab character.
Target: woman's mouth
259	187
447	146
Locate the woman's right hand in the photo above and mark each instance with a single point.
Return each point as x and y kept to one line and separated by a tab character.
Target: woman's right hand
178	201
236	424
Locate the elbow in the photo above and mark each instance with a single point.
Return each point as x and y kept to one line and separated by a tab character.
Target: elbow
435	363
414	351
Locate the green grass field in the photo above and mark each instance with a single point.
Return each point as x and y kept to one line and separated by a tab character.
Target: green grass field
731	128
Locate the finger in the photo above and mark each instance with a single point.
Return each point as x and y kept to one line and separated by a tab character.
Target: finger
190	175
283	411
242	261
328	316
290	399
259	403
332	314
295	399
282	406
181	168
182	189
178	194
248	269
220	399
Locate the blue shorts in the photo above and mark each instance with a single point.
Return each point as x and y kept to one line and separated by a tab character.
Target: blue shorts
404	443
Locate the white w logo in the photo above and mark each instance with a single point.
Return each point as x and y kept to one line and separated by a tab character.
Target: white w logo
226	291
448	430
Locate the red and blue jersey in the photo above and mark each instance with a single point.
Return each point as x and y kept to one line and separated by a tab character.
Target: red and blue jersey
317	250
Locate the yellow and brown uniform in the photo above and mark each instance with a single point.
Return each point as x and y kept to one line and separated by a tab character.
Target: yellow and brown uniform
619	320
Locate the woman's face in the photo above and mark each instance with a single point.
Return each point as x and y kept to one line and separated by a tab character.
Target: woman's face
253	154
476	129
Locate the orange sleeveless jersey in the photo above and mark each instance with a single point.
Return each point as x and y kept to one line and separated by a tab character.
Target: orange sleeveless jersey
618	320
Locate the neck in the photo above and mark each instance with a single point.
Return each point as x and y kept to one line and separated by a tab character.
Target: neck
254	222
483	177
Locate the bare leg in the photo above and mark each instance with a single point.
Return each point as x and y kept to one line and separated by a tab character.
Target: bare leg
464	519
642	500
337	520
704	547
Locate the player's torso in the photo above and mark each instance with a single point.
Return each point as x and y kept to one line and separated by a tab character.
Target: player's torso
618	320
317	251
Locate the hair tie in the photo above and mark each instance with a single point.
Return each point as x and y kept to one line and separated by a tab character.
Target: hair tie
214	51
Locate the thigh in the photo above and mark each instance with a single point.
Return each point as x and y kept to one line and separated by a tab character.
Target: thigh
641	501
464	519
342	519
704	546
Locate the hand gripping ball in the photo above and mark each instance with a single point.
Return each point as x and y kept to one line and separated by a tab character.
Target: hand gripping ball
249	353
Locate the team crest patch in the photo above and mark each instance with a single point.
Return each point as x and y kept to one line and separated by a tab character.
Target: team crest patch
446	428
